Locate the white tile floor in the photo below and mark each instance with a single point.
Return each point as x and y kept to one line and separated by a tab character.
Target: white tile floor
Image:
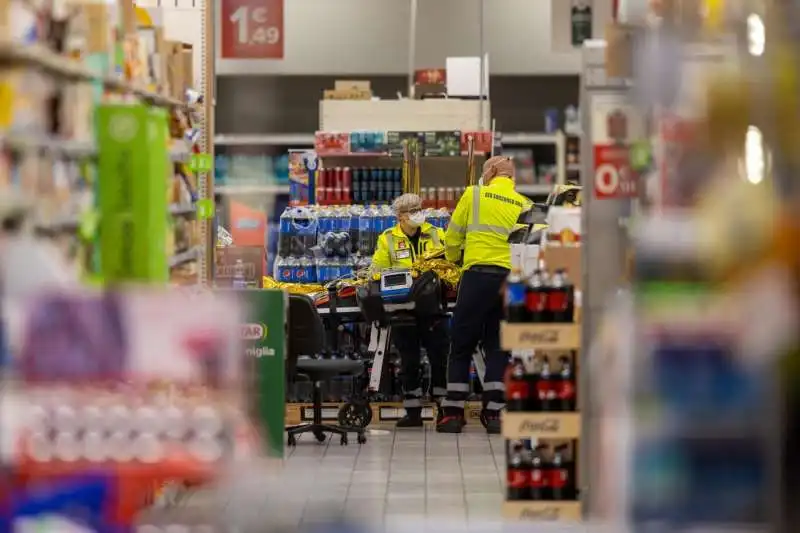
398	477
404	474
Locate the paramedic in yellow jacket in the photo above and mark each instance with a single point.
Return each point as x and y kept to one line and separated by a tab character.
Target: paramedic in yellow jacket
398	247
478	234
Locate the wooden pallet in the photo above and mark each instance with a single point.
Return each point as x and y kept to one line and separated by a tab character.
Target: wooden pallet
382	412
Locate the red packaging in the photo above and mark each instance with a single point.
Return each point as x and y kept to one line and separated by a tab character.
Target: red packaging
483	141
347	185
322	176
450	198
331	143
423	195
336	186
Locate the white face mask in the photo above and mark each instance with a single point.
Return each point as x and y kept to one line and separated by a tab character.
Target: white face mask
416	219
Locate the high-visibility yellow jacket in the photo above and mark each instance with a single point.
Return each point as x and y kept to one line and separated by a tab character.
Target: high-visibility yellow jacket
482	221
394	249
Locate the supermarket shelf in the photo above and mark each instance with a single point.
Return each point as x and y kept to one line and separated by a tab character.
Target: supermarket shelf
539	336
556	425
184	257
59	147
538	188
278	139
307	139
382	412
529	138
69	149
180	210
266	188
542	511
58	65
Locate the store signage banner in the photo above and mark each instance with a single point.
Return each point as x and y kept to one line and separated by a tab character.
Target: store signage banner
264	339
616	124
252	29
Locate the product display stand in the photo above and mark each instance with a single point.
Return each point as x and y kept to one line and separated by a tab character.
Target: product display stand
544	486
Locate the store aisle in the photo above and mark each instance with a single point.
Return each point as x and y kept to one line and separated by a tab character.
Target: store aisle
404	474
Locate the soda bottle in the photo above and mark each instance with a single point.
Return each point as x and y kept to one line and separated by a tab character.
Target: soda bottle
391	219
517	474
515	299
560	297
565	388
366	233
239	279
321	192
285	233
355	213
301	271
544	387
290	269
536	297
540	474
473	380
311	269
517	392
562	481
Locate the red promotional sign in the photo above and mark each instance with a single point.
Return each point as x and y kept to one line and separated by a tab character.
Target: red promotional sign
613	177
252	29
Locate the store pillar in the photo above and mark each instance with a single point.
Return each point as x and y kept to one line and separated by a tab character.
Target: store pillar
607	202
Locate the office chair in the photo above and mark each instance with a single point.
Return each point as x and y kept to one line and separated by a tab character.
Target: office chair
306	339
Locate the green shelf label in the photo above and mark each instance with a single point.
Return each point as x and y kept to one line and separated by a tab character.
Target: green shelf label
640	156
200	163
205	209
88	224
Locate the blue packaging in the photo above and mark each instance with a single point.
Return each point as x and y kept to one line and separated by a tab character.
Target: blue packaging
515	293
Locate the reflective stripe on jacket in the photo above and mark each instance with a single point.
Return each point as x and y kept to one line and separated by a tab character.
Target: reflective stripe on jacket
394	248
482	221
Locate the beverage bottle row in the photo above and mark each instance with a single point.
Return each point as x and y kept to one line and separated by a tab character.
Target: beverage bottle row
440	197
345	185
540	473
309	270
377	184
540	297
297	232
541	387
373	221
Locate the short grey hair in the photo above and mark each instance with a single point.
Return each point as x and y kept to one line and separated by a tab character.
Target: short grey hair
406	202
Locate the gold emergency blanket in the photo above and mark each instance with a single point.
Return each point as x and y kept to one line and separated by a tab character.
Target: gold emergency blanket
294	288
449	273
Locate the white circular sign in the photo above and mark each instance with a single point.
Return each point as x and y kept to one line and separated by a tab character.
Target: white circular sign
122	127
606	179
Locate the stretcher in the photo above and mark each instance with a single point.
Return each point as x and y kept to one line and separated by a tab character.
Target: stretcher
342	306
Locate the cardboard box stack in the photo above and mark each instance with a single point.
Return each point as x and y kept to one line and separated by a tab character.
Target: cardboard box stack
349	90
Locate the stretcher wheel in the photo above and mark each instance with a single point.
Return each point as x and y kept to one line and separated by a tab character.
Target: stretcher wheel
355	415
343	442
484	420
291	441
362	439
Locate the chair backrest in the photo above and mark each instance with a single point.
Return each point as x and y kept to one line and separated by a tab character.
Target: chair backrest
306	335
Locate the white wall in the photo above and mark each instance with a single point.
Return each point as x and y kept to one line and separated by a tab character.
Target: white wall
183	22
371	37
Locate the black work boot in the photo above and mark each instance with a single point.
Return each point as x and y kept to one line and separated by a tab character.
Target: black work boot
492	422
412	419
451	421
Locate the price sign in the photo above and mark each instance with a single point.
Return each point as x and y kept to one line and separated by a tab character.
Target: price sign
613	177
252	29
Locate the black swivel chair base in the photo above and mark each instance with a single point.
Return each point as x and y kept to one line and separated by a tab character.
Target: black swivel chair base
317	370
320	430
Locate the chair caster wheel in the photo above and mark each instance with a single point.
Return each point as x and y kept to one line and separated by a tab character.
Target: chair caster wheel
320	436
362	439
343	442
291	441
